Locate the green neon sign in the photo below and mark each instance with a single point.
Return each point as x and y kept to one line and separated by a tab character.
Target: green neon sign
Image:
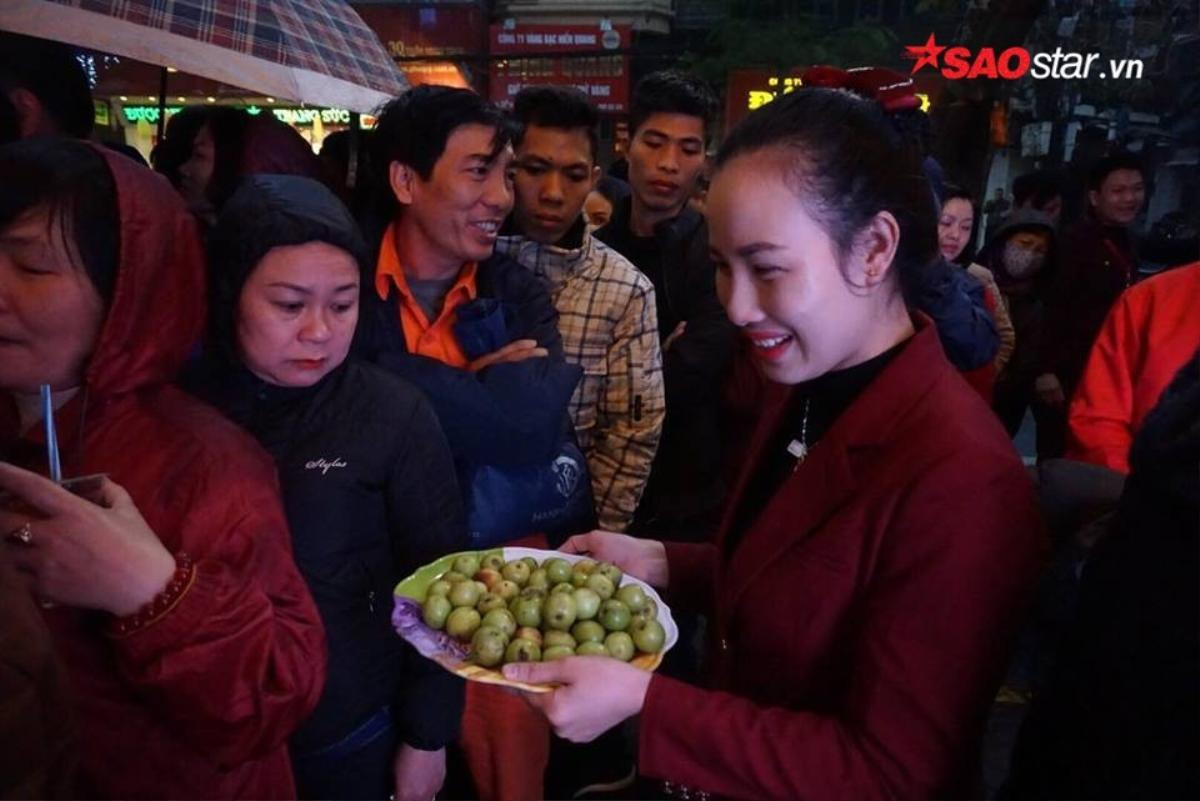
292	115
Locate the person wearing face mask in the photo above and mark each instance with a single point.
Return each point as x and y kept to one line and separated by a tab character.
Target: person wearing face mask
956	226
1021	258
192	646
883	537
367	478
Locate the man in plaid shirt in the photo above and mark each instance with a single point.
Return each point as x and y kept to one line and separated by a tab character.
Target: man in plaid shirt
606	308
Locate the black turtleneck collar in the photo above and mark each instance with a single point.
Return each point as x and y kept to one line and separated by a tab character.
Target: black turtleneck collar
827	396
813	409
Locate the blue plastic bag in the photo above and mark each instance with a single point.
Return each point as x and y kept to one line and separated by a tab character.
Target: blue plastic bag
554	499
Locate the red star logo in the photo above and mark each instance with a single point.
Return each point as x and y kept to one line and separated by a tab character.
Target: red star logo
926	54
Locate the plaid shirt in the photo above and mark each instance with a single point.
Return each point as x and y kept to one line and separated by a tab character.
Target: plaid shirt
609	327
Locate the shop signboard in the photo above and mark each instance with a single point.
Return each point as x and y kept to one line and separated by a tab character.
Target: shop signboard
297	116
426	30
590	57
751	89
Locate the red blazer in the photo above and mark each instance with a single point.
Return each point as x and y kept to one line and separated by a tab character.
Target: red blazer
1149	335
861	625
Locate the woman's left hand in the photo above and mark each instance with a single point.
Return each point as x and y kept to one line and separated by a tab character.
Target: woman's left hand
596	694
99	555
419	774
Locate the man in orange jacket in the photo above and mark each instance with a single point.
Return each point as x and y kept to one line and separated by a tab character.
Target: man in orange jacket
1148	336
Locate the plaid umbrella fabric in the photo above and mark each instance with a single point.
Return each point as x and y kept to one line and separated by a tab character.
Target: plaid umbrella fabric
313	51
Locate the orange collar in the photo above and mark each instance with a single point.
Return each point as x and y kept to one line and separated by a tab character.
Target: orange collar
390	271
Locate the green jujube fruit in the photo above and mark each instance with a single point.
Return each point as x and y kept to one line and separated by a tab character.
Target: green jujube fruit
462	623
501	619
520	650
602	585
528	612
557	570
539	579
558	611
587	603
614	615
632	596
648	635
591	649
487	646
435	610
464	593
516	572
588	631
489	602
554	637
467	564
610	572
557	652
619	646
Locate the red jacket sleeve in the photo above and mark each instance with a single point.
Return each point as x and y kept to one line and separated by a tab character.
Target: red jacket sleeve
933	629
691	575
239	663
1100	425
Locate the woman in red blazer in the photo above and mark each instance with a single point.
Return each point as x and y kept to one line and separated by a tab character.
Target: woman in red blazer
882	539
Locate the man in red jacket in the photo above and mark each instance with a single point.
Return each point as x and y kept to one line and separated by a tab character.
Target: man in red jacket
1149	335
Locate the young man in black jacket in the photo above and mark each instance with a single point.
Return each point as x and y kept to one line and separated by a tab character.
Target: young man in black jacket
654	228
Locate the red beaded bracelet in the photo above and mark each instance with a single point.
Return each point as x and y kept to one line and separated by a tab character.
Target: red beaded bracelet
159	606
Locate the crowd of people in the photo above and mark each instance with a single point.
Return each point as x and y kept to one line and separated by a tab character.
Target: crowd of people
778	383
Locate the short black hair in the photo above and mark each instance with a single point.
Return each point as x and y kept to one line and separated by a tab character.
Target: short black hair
956	192
672	92
562	107
1106	166
175	148
1036	188
413	128
846	163
72	181
614	189
55	77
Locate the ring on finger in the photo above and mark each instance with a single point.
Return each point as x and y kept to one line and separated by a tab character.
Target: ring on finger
22	534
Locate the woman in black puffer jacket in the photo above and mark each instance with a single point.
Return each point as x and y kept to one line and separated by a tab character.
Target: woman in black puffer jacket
367	478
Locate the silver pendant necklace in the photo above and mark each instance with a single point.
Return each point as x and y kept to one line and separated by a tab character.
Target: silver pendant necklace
798	448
